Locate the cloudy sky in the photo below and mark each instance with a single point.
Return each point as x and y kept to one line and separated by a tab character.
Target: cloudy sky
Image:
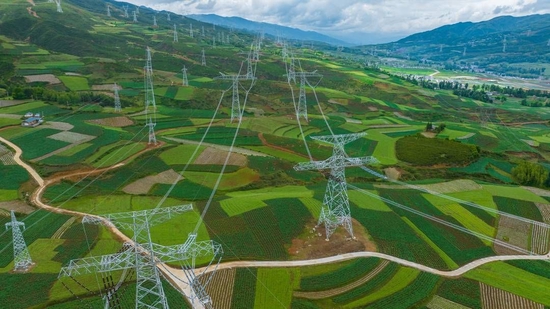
367	21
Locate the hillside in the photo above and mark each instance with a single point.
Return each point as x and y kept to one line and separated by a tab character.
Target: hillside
438	199
283	32
506	44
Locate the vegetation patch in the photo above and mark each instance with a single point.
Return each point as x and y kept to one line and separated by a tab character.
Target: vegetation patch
419	150
75	83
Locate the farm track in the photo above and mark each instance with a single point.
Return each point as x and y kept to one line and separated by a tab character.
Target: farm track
345	288
177	276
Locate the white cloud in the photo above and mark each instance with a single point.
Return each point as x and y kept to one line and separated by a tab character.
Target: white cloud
352	17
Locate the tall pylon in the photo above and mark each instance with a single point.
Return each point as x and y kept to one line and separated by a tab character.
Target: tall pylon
292	70
236	111
147	257
184	81
202	31
175	33
21	258
125	8
213	41
118	106
301	107
59	9
150	104
168	16
155	21
203	59
335	210
108	10
504	45
191	30
135	16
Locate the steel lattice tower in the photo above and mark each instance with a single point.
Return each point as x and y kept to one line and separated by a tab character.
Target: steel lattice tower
59	9
203	59
108	11
335	211
191	30
135	16
301	108
125	8
214	41
146	257
118	107
150	104
154	20
168	16
236	111
21	257
292	70
202	31
184	82
175	33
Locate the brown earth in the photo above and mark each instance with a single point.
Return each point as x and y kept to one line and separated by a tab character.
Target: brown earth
118	122
313	245
17	206
392	173
143	185
216	156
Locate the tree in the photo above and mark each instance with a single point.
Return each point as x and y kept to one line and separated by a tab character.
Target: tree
530	174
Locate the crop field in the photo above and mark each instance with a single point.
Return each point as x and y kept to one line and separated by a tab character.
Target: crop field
75	83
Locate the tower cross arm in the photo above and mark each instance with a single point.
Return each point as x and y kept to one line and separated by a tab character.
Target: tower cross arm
156	215
233	77
340	139
110	262
334	162
187	251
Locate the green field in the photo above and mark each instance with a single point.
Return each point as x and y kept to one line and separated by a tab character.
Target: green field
75	83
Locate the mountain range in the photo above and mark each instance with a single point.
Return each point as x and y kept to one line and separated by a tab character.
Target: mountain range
271	29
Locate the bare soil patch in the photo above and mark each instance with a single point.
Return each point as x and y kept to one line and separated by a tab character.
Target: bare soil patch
118	122
399	115
17	206
538	191
312	245
143	185
106	87
61	126
72	137
494	298
220	288
466	136
48	78
216	156
372	108
429	134
4	103
392	173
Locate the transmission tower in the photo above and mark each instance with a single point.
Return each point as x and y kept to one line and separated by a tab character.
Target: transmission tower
21	257
108	10
59	9
191	30
175	33
292	70
168	16
125	8
548	44
147	257
301	108
202	32
185	82
222	41
154	20
214	41
236	111
441	48
335	210
135	16
464	52
118	107
203	59
486	114
150	104
504	45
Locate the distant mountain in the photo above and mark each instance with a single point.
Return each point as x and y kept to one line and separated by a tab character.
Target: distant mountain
517	46
272	29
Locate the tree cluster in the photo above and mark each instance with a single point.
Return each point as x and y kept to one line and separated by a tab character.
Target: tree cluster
66	97
530	174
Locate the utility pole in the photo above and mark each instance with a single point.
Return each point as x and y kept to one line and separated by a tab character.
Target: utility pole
147	257
21	258
236	111
185	82
203	59
335	210
118	107
150	104
175	33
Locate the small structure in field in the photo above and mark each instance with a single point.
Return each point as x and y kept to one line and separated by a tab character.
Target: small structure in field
32	122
